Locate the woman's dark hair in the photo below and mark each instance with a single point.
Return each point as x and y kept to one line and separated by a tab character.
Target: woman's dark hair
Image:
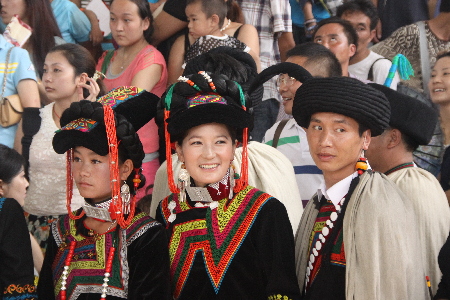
234	12
130	147
11	163
144	12
40	17
82	62
442	54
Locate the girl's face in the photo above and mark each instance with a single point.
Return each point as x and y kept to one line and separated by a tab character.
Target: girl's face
126	24
59	77
199	24
91	173
11	8
17	188
439	84
207	152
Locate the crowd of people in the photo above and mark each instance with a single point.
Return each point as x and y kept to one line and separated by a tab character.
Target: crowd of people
225	149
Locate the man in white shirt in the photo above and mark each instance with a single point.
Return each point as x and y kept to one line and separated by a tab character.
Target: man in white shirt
366	64
292	142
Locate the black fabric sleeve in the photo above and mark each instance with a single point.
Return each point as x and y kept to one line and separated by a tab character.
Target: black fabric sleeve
45	286
445	170
176	8
16	260
443	291
148	259
31	122
275	246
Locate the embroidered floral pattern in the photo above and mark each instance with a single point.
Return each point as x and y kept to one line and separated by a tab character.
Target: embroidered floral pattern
81	124
19	292
217	239
119	95
202	99
278	297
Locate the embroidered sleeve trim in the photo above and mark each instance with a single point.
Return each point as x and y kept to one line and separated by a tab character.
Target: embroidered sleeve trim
19	292
278	297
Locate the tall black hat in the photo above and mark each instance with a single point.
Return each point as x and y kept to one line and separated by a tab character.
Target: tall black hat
342	95
411	116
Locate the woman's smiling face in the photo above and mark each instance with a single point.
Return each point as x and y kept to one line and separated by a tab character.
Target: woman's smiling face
207	151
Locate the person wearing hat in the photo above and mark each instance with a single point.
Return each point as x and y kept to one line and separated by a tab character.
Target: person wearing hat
107	249
227	240
357	238
268	169
291	140
412	124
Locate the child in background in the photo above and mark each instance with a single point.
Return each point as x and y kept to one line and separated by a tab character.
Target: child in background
208	28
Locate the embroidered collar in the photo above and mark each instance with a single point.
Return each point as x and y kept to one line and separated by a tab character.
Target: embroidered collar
399	167
218	190
337	191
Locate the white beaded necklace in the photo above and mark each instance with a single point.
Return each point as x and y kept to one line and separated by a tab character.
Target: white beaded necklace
226	26
329	224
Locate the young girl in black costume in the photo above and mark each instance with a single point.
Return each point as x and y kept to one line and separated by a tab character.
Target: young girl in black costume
108	249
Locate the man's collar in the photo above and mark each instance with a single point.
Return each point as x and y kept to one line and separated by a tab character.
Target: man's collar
337	191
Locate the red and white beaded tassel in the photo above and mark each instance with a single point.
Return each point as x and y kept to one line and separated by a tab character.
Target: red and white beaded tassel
67	265
329	224
107	272
66	270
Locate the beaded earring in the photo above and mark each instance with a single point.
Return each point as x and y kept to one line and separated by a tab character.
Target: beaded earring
137	178
361	164
183	181
232	182
125	194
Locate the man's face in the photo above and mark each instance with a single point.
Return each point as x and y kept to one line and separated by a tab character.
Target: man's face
287	87
361	23
287	91
333	37
335	144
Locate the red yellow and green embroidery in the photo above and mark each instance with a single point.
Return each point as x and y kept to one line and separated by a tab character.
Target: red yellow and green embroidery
88	264
218	239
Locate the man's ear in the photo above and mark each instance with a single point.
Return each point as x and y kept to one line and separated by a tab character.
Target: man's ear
367	135
395	138
352	51
372	34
